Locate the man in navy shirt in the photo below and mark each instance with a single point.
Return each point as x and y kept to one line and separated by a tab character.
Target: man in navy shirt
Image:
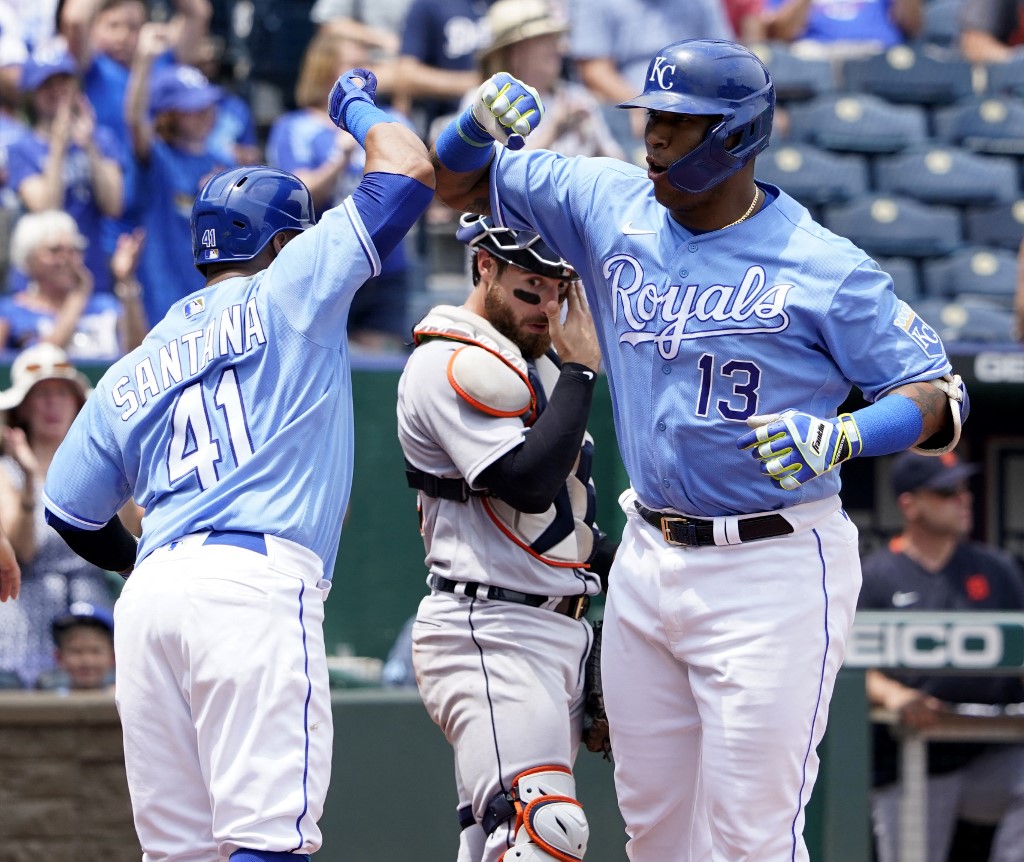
933	566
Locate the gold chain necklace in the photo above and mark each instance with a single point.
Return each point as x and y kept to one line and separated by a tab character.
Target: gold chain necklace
750	209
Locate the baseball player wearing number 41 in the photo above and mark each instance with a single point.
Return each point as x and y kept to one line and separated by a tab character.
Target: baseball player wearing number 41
731	325
493	426
232	426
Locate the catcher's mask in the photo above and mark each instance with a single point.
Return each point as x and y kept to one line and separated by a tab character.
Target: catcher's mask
709	77
522	248
240	210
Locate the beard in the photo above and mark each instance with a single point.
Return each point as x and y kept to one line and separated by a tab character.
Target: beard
532	345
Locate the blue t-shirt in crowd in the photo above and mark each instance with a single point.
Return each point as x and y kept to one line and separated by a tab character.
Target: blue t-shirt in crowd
234	125
95	337
27	156
850	21
164	191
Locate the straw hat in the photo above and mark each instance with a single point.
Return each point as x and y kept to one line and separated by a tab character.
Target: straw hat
35	364
511	21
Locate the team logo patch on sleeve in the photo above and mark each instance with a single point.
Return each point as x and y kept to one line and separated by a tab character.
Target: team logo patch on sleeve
920	332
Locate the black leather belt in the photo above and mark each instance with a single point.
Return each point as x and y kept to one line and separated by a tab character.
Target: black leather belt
570	606
680	530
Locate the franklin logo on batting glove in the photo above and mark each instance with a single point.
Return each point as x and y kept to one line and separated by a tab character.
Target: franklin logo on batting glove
795	447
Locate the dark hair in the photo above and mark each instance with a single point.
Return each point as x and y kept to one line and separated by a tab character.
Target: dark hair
62	627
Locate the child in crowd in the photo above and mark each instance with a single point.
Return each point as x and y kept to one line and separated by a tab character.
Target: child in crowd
84	640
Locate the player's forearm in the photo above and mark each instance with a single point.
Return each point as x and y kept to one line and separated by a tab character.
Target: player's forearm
463	192
111	547
530	476
933	404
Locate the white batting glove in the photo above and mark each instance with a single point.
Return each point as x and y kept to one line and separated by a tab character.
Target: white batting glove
795	447
507	109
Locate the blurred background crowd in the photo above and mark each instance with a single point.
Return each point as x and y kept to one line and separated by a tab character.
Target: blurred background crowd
901	124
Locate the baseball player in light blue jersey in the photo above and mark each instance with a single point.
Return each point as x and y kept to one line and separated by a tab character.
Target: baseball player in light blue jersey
232	425
731	325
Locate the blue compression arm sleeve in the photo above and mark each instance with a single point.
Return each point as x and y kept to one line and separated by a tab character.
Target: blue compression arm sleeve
890	425
389	205
464	145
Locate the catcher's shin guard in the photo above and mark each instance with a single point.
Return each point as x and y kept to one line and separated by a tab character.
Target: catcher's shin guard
550	823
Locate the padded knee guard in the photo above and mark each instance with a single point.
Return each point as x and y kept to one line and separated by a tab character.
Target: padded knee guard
550	823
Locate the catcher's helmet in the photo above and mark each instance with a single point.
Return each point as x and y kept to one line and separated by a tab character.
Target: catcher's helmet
240	210
710	77
522	248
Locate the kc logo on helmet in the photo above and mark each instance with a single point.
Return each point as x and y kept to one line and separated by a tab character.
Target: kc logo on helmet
659	69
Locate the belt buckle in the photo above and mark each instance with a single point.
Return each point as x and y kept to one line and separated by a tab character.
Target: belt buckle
666	520
578	606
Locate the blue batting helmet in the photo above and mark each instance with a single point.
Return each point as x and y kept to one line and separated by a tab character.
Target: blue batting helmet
240	210
522	248
709	77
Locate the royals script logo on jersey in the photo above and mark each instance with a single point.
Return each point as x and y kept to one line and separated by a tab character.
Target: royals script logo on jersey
686	312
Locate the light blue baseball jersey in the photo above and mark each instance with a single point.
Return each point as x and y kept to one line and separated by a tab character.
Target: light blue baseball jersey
235	413
701	331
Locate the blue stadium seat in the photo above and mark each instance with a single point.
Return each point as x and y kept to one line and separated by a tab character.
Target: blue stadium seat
893	226
858	123
1006	78
966	320
991	124
1001	225
907	75
941	27
796	78
905	277
977	271
948	175
812	175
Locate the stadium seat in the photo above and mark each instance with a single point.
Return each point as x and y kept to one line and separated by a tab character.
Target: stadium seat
814	176
977	271
966	320
906	75
858	123
1001	225
796	78
948	175
991	124
893	226
905	278
940	27
1005	78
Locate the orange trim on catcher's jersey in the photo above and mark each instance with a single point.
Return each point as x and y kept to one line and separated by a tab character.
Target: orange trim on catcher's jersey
527	548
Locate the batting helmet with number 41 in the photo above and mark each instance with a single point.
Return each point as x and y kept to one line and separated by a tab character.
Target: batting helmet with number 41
240	210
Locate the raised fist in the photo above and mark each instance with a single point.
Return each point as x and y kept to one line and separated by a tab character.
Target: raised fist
354	84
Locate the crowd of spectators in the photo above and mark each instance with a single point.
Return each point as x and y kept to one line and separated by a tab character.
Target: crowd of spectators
115	111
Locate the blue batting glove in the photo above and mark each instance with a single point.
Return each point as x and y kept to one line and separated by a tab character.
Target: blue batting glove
507	109
355	84
795	447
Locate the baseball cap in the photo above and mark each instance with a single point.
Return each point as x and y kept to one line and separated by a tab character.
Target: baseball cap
180	88
43	65
43	361
511	21
83	613
913	472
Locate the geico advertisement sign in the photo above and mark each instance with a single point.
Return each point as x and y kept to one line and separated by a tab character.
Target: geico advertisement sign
967	644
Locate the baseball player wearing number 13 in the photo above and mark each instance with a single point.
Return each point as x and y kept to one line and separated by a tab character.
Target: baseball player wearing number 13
731	325
232	425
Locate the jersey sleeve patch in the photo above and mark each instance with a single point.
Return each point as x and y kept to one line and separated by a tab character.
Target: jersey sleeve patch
918	331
